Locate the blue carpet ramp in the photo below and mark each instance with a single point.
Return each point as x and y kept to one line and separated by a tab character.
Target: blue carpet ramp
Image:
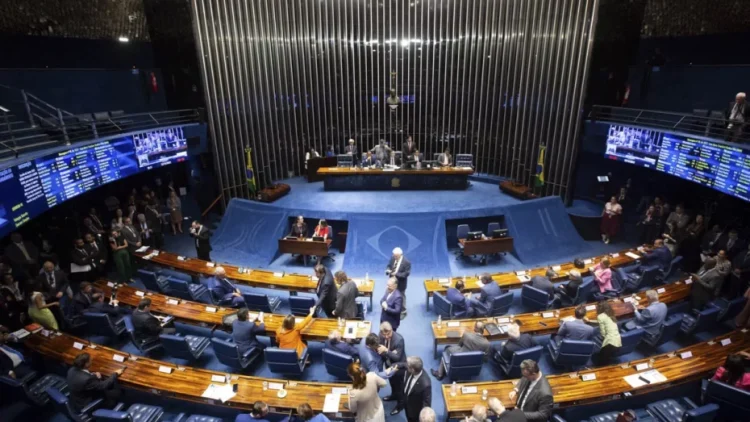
248	233
542	231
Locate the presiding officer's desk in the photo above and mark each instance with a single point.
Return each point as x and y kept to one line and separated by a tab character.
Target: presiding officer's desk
184	382
548	322
488	246
512	280
570	390
305	246
354	178
201	314
256	278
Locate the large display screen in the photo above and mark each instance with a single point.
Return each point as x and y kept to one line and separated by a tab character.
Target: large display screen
717	165
30	188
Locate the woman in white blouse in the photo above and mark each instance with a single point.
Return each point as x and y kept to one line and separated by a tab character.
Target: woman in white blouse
363	397
611	219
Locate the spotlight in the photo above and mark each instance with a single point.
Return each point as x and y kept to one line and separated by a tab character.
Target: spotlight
123	39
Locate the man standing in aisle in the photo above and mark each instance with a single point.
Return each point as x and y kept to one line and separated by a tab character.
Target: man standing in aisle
392	304
202	243
399	267
533	392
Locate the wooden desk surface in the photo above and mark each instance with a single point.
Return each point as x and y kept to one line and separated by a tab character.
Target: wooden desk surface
185	383
532	322
487	245
510	280
196	313
570	390
256	278
305	246
351	171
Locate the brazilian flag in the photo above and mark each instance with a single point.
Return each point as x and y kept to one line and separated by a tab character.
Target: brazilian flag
539	181
250	173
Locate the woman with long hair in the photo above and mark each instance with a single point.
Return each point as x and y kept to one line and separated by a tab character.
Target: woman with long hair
733	372
611	340
363	397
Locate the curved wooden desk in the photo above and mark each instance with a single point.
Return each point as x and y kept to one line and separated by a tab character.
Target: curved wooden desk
511	280
184	383
195	313
256	278
536	323
570	390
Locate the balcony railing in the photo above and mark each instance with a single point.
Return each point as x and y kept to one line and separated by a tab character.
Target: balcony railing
698	123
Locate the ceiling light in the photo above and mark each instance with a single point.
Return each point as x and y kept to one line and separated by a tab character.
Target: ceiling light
123	39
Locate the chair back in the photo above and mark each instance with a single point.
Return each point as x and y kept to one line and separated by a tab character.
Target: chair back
59	400
674	265
492	227
706	319
667	332
732	308
442	306
514	366
462	231
501	304
100	324
283	361
584	291
732	400
465	365
300	305
336	363
176	346
630	341
647	278
179	288
705	413
534	299
574	352
149	279
106	415
259	302
227	353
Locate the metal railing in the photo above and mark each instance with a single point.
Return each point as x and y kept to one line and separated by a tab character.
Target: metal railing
701	123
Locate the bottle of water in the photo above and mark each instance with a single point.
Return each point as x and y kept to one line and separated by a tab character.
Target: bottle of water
484	395
454	389
367	278
440	321
365	305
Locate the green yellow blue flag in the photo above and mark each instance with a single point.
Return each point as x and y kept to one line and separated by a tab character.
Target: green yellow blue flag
250	173
540	167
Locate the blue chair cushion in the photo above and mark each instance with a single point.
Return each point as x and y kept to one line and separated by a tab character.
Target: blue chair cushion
38	389
668	410
197	344
145	413
203	418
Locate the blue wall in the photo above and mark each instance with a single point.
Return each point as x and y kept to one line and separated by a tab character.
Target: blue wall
90	90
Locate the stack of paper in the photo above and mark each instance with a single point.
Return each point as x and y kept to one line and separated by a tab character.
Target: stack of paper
632	255
637	380
223	392
331	403
142	249
350	329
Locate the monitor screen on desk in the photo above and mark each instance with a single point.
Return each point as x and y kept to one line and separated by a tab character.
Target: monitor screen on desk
499	233
474	236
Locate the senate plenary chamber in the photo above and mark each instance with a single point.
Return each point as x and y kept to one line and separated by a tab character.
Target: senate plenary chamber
374	210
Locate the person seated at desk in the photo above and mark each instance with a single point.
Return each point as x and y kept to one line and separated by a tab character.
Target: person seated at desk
330	151
543	283
471	341
382	153
85	297
112	309
658	255
311	153
570	289
259	413
335	343
707	284
482	304
369	161
289	335
299	228
455	295
733	371
650	318
12	362
575	329
516	342
445	159
244	332
224	292
393	160
322	230
306	414
147	326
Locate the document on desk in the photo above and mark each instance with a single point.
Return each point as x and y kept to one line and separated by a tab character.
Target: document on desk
142	249
350	329
632	255
223	392
331	403
637	380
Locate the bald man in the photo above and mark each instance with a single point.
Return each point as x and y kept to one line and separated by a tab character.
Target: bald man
222	291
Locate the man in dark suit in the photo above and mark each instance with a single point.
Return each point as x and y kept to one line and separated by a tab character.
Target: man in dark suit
22	254
97	252
326	290
576	329
346	303
408	148
570	289
399	267
85	297
417	392
224	293
516	343
707	284
543	284
533	393
153	216
391	348
455	296
375	361
86	386
82	267
112	309
54	283
146	325
392	303
96	222
471	341
335	343
132	235
244	332
482	303
730	243
658	255
12	362
368	160
202	243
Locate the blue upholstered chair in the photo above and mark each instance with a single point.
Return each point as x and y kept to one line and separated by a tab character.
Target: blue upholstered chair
153	281
463	365
634	282
535	299
285	361
300	305
732	400
582	295
462	232
499	305
570	353
630	340
261	302
682	410
728	309
185	347
135	413
642	415
336	363
667	332
203	418
33	388
442	306
491	227
228	354
100	324
189	291
512	368
62	405
700	320
674	266
145	345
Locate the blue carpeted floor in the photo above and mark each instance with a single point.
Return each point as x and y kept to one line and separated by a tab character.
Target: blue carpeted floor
377	222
